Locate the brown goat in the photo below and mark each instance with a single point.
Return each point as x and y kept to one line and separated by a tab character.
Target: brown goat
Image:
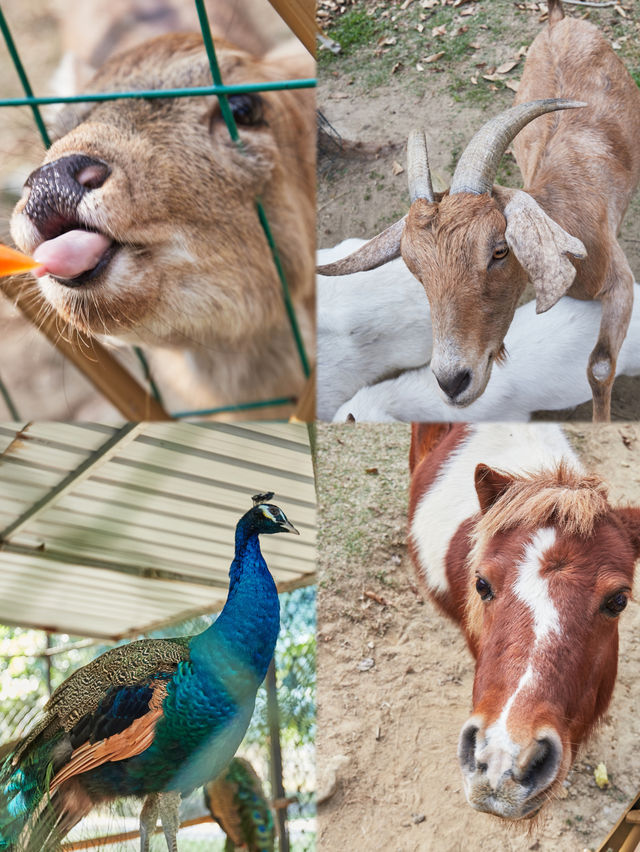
475	247
144	213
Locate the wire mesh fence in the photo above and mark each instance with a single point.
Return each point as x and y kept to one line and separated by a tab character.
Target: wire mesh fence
223	92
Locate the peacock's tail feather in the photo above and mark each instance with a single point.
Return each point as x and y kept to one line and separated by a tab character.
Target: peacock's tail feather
238	803
32	818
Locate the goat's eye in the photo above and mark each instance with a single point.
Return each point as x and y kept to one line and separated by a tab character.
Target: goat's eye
500	252
615	604
246	109
484	589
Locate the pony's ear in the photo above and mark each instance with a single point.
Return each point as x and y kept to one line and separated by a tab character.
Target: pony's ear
490	485
630	517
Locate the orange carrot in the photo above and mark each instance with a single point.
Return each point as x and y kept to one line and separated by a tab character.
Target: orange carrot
12	261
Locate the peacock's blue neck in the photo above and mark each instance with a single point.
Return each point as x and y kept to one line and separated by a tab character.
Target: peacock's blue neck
247	628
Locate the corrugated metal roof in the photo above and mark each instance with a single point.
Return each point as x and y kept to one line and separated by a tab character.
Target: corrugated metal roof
111	532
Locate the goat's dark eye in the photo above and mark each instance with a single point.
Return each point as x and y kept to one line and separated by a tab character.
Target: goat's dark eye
246	109
615	604
484	589
499	252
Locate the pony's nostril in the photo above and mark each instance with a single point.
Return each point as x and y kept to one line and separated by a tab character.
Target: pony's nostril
539	764
92	176
467	748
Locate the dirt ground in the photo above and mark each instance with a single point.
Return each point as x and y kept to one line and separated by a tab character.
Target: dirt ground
384	84
395	678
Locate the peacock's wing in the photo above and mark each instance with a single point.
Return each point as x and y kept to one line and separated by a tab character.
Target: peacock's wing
81	693
105	711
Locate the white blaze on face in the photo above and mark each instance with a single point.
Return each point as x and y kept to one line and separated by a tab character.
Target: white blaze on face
533	590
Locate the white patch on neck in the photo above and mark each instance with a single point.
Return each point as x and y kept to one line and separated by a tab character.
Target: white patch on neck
533	590
513	447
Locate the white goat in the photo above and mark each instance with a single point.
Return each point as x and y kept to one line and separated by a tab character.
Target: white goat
371	325
529	380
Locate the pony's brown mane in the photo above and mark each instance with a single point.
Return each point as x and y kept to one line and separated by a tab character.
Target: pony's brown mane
563	496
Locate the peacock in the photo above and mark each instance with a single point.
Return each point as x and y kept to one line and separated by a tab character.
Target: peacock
237	802
155	718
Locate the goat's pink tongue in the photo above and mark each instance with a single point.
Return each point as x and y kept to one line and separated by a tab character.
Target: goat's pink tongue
71	253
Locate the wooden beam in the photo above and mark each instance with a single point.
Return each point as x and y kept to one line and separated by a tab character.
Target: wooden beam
104	372
306	408
127	835
299	16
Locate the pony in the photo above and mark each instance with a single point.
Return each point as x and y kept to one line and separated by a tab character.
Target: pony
515	542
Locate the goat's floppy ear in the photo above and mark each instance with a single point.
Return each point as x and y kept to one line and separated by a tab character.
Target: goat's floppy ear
542	247
378	251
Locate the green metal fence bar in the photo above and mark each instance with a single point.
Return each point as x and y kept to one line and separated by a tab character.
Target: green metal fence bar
233	131
155	390
196	91
8	401
291	313
222	92
207	38
6	32
242	406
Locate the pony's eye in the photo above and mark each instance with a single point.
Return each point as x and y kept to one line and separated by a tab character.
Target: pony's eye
484	589
615	604
500	252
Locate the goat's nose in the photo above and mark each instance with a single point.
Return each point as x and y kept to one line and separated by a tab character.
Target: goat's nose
57	188
455	384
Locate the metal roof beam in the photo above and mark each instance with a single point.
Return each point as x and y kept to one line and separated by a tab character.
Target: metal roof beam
84	470
90	562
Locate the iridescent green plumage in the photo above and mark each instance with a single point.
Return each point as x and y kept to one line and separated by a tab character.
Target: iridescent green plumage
237	802
155	717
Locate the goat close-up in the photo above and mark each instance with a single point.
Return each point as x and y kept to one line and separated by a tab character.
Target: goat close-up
475	247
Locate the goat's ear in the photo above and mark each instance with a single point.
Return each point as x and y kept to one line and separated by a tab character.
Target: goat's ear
490	484
542	247
630	517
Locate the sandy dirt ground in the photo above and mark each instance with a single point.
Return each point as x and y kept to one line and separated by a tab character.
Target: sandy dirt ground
395	676
377	91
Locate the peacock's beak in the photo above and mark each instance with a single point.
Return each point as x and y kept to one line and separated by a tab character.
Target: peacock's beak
287	526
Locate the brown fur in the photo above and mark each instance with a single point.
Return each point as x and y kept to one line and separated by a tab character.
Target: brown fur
425	438
194	275
583	167
447	246
591	560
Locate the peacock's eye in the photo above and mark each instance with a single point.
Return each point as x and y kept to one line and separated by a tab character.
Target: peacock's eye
500	251
615	604
484	589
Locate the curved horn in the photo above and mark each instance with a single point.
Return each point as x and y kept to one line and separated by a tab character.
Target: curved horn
418	167
478	164
379	250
